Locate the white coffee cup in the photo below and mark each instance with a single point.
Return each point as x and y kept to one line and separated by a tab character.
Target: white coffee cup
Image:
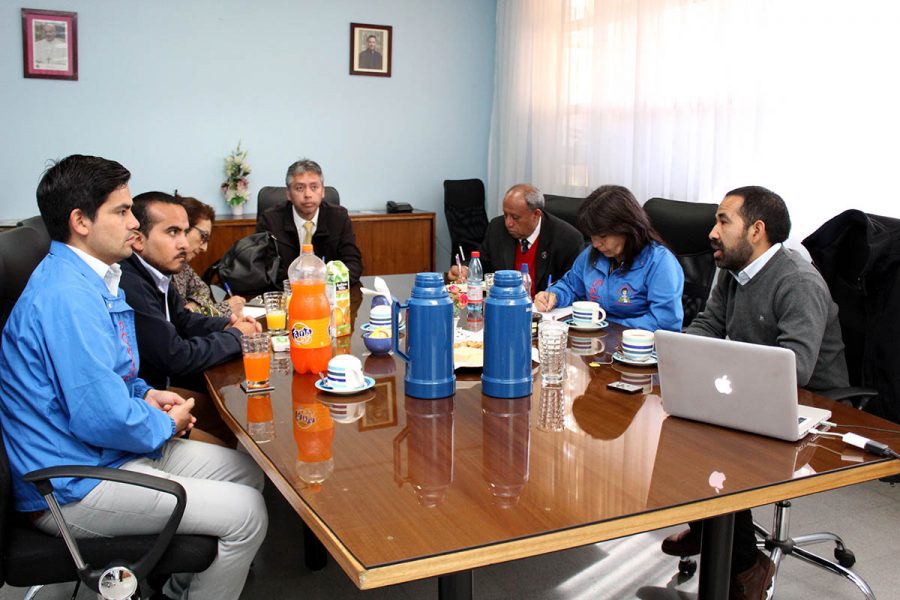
380	316
637	344
345	372
585	312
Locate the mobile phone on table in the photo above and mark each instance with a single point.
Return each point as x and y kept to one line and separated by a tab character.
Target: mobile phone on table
625	388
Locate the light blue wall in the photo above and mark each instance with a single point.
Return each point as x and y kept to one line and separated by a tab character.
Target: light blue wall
169	87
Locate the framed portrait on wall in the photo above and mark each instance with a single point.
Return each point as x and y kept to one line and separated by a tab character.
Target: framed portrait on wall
370	49
50	44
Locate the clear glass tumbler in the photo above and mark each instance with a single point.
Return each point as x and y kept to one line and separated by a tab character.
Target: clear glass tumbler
552	339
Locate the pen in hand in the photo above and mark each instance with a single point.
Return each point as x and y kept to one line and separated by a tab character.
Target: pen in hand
227	289
549	281
458	267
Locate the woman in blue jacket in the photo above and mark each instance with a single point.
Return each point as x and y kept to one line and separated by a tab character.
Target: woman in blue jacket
627	269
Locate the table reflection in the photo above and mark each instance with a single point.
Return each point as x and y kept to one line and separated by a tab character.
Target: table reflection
313	432
429	444
506	431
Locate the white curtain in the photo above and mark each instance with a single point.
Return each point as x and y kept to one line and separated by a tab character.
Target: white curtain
686	99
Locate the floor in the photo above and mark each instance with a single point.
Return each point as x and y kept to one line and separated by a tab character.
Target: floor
865	515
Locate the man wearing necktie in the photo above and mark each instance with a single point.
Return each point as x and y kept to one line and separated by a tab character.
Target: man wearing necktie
524	233
305	219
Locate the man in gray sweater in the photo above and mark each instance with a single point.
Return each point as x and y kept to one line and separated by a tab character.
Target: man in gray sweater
769	296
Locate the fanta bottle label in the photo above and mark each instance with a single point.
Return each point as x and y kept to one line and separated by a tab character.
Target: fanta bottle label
310	333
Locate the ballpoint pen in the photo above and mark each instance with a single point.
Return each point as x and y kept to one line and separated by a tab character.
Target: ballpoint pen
549	281
227	289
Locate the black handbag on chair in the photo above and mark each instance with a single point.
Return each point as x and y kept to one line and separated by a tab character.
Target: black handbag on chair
250	266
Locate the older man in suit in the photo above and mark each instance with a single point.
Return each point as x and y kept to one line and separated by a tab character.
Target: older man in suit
525	233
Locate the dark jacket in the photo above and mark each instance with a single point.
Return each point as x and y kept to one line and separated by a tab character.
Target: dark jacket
858	255
182	348
333	240
558	245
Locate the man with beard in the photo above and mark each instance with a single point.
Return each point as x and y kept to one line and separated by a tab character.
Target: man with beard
770	296
176	345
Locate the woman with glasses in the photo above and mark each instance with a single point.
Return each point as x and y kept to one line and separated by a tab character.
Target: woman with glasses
196	294
627	269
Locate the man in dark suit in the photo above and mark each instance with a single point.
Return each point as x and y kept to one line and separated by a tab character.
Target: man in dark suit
527	234
370	58
304	218
175	344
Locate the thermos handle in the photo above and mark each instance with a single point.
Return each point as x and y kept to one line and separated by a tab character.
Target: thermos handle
396	306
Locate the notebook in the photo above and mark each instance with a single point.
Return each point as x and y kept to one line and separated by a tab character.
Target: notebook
734	384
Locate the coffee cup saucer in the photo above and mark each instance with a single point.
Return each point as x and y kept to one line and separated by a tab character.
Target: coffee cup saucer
369	327
647	362
322	386
578	326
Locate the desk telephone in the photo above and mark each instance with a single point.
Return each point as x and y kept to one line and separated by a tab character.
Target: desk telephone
398	207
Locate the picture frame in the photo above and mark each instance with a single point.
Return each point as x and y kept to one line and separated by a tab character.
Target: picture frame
47	57
381	411
371	49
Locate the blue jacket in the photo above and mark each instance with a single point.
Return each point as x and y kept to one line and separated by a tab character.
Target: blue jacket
647	296
69	387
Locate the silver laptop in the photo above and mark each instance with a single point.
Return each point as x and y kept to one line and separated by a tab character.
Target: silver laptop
734	384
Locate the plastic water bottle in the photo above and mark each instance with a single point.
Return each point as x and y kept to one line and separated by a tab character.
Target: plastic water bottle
475	290
309	314
526	280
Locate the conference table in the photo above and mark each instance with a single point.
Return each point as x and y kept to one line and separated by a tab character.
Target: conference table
396	488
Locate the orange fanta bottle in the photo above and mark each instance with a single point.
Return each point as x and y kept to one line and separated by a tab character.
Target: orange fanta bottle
309	314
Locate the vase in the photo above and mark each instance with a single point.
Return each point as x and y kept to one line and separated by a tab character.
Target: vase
237	209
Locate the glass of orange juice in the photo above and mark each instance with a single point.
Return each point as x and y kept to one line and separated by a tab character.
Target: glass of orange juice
256	359
276	312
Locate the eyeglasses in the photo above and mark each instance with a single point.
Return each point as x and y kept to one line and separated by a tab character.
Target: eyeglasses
204	235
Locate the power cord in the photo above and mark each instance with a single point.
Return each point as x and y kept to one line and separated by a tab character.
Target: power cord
858	441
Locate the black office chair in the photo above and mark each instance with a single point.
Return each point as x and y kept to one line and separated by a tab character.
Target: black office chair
465	213
685	227
270	196
564	207
37	223
33	559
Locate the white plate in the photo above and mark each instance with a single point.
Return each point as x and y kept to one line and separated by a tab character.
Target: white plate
368	327
592	327
469	358
324	387
650	362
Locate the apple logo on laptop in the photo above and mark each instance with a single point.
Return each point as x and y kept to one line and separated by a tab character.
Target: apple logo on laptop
723	385
717	480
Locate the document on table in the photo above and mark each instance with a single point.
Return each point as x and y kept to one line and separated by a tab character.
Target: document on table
557	314
254	311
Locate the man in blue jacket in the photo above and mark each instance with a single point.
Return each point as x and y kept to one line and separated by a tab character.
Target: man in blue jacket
70	393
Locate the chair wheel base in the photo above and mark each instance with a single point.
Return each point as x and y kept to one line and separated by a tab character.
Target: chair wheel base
687	567
845	557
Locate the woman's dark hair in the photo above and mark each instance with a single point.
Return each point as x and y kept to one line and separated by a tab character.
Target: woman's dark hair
196	210
614	209
82	182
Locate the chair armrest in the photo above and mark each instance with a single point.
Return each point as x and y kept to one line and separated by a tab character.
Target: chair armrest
861	394
91	577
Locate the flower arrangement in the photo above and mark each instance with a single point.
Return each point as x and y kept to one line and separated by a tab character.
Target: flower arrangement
458	295
236	187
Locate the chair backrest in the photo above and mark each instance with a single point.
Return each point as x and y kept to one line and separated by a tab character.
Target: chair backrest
564	207
858	255
21	249
271	195
465	213
37	223
685	227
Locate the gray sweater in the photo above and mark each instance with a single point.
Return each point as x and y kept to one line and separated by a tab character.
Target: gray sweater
786	304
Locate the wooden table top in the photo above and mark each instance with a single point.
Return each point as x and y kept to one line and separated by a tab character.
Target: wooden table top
422	487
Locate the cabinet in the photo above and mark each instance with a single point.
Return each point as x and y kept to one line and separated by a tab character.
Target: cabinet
389	243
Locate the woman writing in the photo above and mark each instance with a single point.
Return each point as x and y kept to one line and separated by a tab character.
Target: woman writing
196	294
626	269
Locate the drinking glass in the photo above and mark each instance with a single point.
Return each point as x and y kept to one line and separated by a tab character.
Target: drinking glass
256	359
276	314
552	339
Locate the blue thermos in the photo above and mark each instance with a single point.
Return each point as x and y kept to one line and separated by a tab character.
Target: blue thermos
429	338
507	338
